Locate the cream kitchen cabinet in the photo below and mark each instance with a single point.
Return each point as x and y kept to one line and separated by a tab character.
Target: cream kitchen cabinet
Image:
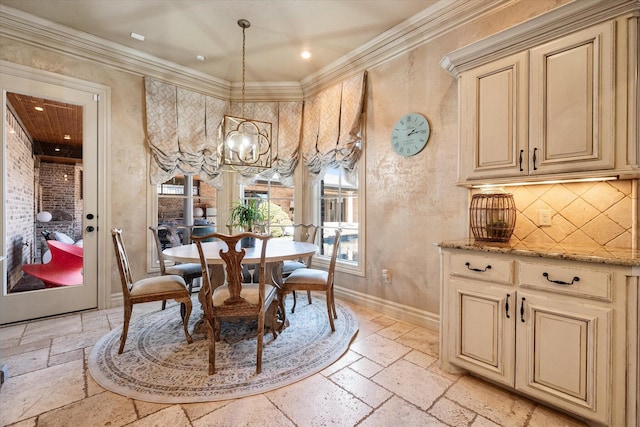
554	330
547	110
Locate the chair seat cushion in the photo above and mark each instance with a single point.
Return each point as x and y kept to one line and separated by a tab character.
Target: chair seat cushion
307	275
250	292
158	285
288	266
187	269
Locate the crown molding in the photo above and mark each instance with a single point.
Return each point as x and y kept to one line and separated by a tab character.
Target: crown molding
423	27
555	23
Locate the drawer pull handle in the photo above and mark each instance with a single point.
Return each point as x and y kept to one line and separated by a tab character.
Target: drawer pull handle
506	306
468	264
560	282
535	157
522	310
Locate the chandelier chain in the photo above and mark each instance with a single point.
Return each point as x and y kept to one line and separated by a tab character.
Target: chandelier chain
243	67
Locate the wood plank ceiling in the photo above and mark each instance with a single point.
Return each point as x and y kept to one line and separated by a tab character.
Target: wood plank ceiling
55	130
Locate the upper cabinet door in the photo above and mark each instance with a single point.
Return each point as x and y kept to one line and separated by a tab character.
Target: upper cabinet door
494	119
572	102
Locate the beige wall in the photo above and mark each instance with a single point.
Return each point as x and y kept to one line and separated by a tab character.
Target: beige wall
411	202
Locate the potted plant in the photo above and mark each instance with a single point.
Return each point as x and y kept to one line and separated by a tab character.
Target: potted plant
248	216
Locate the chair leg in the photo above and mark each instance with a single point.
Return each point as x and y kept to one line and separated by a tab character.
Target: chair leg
164	304
125	326
185	312
212	347
293	309
333	304
329	313
260	339
309	296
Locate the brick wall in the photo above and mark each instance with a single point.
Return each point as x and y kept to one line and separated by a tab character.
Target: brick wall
19	201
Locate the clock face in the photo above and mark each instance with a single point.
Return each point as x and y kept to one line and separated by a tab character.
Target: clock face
410	134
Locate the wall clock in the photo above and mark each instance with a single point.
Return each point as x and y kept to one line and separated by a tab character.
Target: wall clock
410	134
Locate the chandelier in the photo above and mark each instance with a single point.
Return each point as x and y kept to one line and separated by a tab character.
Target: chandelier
246	142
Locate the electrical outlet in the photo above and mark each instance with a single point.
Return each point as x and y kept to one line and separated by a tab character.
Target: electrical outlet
386	276
544	217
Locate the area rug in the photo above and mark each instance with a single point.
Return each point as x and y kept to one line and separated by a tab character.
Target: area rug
158	365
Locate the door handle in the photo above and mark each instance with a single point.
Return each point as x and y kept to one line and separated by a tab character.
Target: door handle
521	151
535	157
522	310
90	228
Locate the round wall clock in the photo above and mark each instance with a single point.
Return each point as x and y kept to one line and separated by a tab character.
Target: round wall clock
410	134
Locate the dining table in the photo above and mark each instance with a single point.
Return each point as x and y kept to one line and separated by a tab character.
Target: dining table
278	250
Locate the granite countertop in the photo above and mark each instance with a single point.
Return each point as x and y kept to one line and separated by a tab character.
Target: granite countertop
594	254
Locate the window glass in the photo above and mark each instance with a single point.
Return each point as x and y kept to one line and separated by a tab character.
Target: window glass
339	208
174	199
276	201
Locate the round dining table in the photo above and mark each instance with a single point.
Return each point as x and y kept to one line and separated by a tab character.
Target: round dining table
277	252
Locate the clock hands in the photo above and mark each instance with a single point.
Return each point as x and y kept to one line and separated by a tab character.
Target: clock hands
412	132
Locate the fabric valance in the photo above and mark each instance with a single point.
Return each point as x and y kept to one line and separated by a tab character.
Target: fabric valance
332	127
184	129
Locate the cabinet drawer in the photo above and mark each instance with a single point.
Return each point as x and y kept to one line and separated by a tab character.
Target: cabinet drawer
579	281
479	267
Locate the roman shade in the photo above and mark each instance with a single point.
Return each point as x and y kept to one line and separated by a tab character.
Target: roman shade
332	127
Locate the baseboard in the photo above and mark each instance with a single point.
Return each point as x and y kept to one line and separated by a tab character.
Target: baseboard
397	311
392	309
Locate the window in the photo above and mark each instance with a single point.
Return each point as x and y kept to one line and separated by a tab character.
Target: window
277	204
339	206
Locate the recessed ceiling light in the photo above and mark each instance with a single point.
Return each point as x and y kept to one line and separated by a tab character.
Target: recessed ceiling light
305	54
67	137
201	58
39	109
137	36
56	149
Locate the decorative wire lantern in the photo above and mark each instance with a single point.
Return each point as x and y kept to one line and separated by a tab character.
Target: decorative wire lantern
493	216
246	142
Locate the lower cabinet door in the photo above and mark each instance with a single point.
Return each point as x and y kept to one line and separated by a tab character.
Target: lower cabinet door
483	330
562	353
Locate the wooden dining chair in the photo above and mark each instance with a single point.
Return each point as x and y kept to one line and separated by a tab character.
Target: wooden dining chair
236	299
311	279
188	271
156	288
301	233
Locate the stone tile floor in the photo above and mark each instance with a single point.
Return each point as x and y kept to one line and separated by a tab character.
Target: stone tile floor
389	377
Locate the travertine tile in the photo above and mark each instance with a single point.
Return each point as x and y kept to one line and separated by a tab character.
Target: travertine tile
253	410
544	417
100	410
361	387
172	416
379	349
31	422
397	412
347	359
620	213
33	393
602	195
95	320
412	383
602	229
51	328
422	339
481	421
25	348
19	364
579	212
492	402
307	402
384	321
199	410
11	333
395	330
68	356
366	328
147	408
419	358
76	341
451	413
366	367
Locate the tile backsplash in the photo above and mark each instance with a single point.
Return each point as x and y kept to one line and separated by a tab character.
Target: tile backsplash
595	213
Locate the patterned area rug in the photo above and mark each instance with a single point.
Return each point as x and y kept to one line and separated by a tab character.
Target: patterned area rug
158	365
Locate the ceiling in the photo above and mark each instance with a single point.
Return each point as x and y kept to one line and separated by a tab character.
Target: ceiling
179	30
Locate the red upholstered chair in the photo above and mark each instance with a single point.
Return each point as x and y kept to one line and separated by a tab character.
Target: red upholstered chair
64	269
